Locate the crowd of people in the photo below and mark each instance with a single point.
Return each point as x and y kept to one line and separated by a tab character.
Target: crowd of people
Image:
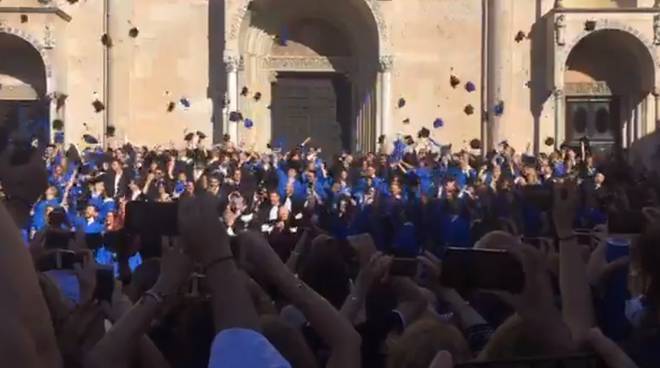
289	258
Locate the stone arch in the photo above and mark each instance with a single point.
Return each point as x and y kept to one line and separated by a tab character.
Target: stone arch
372	5
40	48
602	25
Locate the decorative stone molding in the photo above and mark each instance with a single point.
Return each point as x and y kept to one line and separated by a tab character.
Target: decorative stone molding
656	29
313	63
560	30
656	4
374	7
38	45
558	93
231	63
385	63
587	89
49	42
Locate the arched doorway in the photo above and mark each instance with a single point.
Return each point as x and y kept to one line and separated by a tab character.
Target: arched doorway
608	80
23	88
314	67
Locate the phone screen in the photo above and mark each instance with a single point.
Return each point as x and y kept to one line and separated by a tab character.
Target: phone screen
152	218
469	269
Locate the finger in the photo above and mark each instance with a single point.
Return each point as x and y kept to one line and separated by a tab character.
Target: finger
442	359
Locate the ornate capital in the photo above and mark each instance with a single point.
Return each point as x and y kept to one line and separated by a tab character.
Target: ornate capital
558	93
385	63
560	30
231	63
49	42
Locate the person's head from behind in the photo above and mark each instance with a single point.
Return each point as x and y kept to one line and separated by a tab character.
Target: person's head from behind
289	341
422	340
496	240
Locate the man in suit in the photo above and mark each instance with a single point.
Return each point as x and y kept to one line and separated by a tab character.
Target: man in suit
117	180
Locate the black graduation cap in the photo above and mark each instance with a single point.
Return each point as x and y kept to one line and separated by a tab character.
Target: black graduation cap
454	81
133	32
475	144
406	121
58	124
504	143
401	103
189	137
244	91
409	140
110	131
72	154
520	36
226	137
24	18
170	106
106	40
185	102
90	139
201	135
257	96
424	133
549	141
98	106
381	139
235	116
469	110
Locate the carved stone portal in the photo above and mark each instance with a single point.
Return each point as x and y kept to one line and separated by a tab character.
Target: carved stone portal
656	29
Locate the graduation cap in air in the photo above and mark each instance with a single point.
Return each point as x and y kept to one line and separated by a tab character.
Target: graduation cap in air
170	106
110	131
248	123
226	138
470	87
549	141
72	154
98	106
409	140
235	116
520	36
90	139
423	133
133	32
24	18
381	139
401	103
469	110
454	81
438	123
201	135
475	144
185	102
106	40
244	91
58	124
406	121
189	137
257	96
499	108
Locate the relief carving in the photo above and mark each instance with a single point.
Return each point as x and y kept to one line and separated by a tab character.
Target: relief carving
385	63
340	64
588	89
560	30
656	29
231	63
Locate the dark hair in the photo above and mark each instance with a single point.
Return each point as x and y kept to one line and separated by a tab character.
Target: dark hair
649	254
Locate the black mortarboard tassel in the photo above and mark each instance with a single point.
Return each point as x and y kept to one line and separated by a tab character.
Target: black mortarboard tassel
520	36
469	110
170	106
401	103
98	106
189	137
424	133
110	131
406	121
24	18
90	139
235	116
475	144
133	32
257	96
201	135
106	40
454	81
58	124
244	91
549	141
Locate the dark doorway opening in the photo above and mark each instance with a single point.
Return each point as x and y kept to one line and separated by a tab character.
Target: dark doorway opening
596	118
315	105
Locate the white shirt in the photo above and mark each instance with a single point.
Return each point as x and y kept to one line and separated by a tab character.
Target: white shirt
272	215
117	179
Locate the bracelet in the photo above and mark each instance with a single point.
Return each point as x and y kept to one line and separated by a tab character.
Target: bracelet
217	261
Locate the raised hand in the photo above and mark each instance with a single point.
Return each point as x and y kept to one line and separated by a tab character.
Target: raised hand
564	207
175	267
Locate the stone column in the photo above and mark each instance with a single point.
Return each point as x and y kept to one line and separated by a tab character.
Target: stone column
385	98
231	65
560	117
499	67
657	108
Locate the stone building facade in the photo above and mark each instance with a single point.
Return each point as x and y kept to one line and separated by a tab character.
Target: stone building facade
341	71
